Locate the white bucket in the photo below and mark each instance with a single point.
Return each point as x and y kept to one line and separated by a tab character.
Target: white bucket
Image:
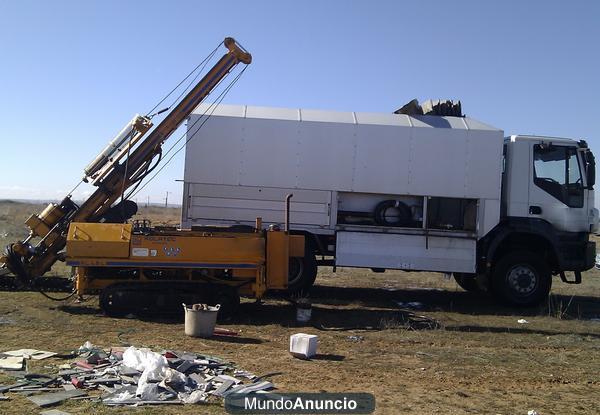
200	323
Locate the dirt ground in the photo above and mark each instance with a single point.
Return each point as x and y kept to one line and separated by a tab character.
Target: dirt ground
467	356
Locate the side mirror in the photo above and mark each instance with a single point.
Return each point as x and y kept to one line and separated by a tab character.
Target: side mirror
590	170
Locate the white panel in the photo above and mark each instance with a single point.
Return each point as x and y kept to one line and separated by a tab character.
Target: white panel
325	156
273	113
213	153
221	109
268	153
483	167
408	252
437	162
383	119
519	162
327	116
258	193
489	215
245	204
382	159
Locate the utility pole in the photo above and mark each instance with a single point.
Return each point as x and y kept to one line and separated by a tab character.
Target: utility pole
167	199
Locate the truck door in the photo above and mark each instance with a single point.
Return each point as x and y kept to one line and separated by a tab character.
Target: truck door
556	189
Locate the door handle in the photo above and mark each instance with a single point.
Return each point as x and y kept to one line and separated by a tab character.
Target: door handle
535	210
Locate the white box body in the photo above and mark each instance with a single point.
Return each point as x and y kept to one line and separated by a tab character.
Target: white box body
303	345
244	160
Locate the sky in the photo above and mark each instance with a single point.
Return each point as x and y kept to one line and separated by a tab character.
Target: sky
73	73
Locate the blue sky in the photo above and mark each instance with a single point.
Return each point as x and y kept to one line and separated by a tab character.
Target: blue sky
74	72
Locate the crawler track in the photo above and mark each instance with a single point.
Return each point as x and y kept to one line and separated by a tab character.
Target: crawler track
9	282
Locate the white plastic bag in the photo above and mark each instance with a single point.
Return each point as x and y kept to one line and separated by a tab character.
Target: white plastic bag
147	391
153	367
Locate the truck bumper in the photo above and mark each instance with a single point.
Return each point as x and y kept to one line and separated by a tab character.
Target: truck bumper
577	255
590	255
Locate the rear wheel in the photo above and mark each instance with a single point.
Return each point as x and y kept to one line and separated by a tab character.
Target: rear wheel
521	279
302	271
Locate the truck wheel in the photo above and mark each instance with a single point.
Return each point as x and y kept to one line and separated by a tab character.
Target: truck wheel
521	279
302	272
467	282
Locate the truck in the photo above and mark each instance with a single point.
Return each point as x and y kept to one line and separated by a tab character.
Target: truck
422	189
138	268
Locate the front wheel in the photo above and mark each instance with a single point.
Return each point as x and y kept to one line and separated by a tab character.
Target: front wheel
521	279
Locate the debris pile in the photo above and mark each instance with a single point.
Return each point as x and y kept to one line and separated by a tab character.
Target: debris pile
135	376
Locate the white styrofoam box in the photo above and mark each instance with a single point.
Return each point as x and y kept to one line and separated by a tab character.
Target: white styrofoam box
303	345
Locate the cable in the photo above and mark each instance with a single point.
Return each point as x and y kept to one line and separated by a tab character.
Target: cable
75	188
146	168
55	298
214	107
183	136
184	79
193	81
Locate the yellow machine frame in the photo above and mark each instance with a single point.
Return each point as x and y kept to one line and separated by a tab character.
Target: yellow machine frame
256	261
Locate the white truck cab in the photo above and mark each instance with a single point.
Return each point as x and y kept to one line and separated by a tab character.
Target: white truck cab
547	215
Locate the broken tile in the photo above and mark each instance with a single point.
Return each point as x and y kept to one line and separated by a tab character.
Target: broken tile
223	388
128	371
30	354
186	365
264	385
12	362
84	365
104	380
54	412
48	399
223	378
6	388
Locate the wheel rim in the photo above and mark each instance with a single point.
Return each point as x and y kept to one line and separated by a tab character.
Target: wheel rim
522	280
296	269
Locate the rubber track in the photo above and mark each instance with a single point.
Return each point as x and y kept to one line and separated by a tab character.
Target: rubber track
155	298
47	284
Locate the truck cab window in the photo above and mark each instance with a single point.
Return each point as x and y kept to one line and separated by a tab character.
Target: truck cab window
557	172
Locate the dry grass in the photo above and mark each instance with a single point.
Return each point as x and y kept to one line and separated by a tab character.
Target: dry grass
477	360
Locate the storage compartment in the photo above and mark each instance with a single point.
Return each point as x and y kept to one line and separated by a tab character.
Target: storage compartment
406	252
380	210
451	214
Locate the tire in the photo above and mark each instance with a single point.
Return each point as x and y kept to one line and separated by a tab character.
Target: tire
467	282
521	279
404	214
302	271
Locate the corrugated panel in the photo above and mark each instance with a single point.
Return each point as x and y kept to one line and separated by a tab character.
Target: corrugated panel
327	116
295	114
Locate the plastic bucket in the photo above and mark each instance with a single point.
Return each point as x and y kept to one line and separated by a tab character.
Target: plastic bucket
303	312
200	323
